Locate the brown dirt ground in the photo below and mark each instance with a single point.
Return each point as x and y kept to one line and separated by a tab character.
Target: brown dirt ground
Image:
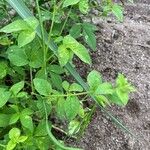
123	47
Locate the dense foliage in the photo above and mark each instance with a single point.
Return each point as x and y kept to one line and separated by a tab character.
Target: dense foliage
37	99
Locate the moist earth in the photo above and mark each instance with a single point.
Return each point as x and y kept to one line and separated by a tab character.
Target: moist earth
123	48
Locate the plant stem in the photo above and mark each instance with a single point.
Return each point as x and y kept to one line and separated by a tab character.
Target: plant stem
43	35
65	21
31	80
52	24
70	94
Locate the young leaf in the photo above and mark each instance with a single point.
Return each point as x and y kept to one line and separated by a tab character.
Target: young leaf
75	87
14	133
4	96
74	127
102	100
118	12
77	48
11	145
70	2
104	88
72	106
42	86
17	56
22	139
25	37
63	55
16	88
123	96
82	53
65	85
26	122
123	84
84	6
94	79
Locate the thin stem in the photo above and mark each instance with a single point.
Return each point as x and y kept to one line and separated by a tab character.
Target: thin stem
65	21
52	24
69	94
31	80
66	95
43	38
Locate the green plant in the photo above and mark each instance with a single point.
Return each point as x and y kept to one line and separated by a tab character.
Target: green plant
36	98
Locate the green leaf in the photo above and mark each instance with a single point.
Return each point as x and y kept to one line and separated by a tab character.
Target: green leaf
32	22
115	99
74	127
3	70
41	107
94	80
26	111
34	56
123	84
89	36
124	97
56	81
72	106
56	69
63	55
11	145
42	86
84	6
14	118
4	120
41	129
102	100
70	2
15	26
14	133
75	87
16	88
82	53
5	41
25	37
17	56
118	12
4	96
104	88
26	122
75	31
77	48
65	85
22	139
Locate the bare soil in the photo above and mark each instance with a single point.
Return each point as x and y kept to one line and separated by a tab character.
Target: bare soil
125	48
